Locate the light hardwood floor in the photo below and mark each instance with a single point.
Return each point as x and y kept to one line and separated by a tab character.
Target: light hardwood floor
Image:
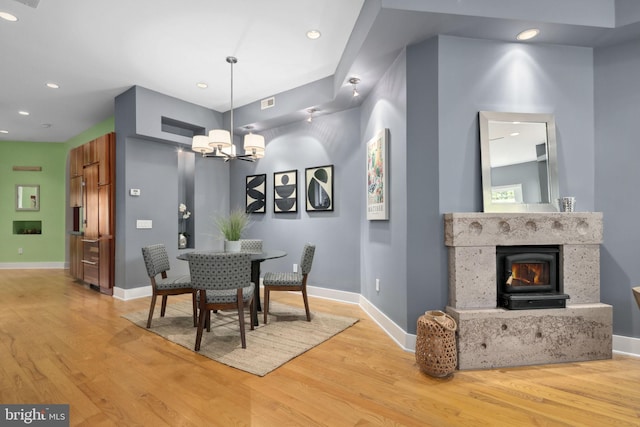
64	343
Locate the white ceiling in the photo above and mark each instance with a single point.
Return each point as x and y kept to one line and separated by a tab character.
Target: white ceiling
97	49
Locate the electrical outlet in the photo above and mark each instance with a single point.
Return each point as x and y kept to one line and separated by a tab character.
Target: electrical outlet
295	268
377	285
19	251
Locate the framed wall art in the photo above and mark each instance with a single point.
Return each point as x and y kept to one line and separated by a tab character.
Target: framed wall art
378	176
285	191
256	200
319	188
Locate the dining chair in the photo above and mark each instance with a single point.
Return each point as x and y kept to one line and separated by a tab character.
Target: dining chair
157	262
223	282
252	246
290	281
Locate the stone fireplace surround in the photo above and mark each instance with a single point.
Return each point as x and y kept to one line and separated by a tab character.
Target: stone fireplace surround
491	337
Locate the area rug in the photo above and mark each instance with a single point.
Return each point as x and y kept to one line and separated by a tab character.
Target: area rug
286	335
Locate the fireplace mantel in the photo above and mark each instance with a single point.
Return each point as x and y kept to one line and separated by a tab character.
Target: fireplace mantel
487	335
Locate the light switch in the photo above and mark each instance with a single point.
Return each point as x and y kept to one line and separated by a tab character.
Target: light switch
144	223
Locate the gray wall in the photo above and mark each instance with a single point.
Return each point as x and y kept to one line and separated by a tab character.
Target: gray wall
617	97
328	140
147	159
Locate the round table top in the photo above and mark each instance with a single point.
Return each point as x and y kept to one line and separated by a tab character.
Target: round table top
255	256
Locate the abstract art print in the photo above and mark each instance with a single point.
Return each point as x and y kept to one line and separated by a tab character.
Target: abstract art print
285	191
319	187
378	177
256	193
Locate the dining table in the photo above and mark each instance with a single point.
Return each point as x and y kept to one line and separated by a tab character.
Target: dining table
256	259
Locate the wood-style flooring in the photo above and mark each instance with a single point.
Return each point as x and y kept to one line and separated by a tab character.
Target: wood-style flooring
61	342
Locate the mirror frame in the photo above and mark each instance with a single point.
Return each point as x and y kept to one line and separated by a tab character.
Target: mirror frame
484	117
18	204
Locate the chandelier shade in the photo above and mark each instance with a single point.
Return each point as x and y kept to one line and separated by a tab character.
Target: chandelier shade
219	142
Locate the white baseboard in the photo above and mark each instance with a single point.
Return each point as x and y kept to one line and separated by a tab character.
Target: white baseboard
134	293
629	346
32	265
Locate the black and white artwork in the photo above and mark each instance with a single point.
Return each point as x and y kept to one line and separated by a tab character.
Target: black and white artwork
256	193
285	191
319	187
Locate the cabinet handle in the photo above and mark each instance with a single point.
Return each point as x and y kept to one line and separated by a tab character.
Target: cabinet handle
90	241
89	262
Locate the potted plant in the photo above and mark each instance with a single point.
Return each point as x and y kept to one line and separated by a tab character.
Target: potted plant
231	227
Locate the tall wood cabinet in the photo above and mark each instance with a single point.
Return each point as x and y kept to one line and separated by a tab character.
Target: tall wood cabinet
92	199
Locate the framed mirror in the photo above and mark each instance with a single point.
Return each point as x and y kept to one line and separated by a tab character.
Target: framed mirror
27	197
519	162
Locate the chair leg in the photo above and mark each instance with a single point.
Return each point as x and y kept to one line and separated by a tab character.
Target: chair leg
265	308
164	305
243	339
208	321
201	321
252	308
306	303
153	305
195	309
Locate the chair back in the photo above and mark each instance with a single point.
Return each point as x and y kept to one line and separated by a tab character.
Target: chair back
155	259
252	246
307	258
218	271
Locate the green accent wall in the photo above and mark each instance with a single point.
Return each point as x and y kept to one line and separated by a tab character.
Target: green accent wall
50	246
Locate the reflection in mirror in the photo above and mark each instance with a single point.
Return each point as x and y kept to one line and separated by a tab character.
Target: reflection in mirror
519	164
27	197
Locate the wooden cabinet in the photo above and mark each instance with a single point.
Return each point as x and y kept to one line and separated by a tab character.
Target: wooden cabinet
92	198
76	161
75	256
75	192
105	147
90	152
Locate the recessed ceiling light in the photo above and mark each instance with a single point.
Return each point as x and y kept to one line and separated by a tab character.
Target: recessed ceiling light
528	34
514	134
4	131
53	85
313	34
23	113
202	85
8	17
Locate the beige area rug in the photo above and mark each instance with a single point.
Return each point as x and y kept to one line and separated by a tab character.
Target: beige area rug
286	335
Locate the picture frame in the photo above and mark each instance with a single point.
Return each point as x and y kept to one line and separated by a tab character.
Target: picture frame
256	193
27	197
319	188
285	191
378	176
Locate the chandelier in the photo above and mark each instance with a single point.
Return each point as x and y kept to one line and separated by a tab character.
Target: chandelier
219	142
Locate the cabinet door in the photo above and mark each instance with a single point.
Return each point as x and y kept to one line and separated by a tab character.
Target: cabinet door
91	202
105	147
90	152
76	161
75	256
75	191
106	266
105	218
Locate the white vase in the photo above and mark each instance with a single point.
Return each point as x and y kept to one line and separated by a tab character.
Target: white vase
182	241
232	246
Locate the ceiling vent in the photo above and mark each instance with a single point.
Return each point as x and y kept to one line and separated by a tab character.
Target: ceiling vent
267	103
30	3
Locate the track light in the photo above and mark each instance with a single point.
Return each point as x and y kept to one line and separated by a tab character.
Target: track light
310	111
354	81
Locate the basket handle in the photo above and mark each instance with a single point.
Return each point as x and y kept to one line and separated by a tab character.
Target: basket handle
441	319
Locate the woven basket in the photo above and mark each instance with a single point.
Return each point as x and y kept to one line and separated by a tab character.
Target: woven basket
436	352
